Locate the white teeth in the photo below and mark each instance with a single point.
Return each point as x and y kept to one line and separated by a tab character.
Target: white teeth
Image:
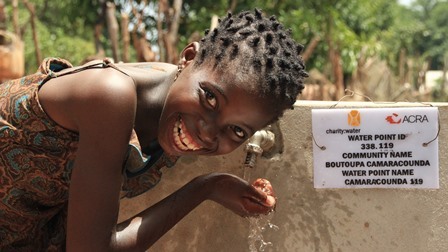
181	139
185	140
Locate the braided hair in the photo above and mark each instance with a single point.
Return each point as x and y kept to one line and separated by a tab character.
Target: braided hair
261	52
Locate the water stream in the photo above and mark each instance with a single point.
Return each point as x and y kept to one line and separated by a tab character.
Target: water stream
257	226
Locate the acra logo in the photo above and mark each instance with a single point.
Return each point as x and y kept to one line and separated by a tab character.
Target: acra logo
396	119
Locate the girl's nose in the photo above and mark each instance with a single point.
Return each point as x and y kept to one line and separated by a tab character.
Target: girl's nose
208	131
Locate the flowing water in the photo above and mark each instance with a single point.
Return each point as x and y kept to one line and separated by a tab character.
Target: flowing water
257	226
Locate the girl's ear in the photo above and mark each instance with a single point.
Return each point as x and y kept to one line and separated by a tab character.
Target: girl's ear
188	53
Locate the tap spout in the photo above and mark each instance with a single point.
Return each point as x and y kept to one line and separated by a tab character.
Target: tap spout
261	141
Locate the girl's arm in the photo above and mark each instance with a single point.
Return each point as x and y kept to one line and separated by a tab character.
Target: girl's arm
101	104
147	227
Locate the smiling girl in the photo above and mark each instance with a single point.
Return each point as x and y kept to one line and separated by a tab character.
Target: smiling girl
74	140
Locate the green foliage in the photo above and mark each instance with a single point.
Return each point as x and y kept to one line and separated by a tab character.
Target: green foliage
421	31
381	28
74	17
56	43
437	33
438	93
64	29
401	36
352	27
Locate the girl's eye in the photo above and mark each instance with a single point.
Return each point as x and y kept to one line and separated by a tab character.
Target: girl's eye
210	97
239	132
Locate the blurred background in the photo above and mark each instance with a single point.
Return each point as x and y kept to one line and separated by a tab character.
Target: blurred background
388	50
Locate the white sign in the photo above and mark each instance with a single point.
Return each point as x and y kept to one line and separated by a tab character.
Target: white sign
376	148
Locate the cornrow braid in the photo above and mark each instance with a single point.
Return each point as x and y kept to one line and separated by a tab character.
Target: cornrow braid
260	47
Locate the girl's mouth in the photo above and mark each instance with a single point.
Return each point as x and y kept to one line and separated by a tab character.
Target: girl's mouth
182	138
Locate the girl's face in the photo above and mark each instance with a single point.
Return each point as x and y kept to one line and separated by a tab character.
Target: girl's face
205	115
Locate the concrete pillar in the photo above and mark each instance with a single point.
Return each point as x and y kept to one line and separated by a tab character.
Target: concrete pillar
309	219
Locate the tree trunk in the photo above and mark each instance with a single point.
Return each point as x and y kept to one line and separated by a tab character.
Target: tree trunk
401	66
147	54
15	18
172	16
310	48
125	36
2	16
171	38
98	46
32	11
163	5
112	27
232	5
137	47
444	78
98	31
140	43
409	74
334	59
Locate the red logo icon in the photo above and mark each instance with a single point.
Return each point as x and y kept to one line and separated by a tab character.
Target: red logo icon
392	119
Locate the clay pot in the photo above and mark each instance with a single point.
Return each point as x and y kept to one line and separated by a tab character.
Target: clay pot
12	58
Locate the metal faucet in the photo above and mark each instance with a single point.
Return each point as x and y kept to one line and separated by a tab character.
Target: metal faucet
261	141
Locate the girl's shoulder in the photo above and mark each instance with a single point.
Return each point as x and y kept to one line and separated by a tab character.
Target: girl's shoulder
148	72
148	66
69	97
